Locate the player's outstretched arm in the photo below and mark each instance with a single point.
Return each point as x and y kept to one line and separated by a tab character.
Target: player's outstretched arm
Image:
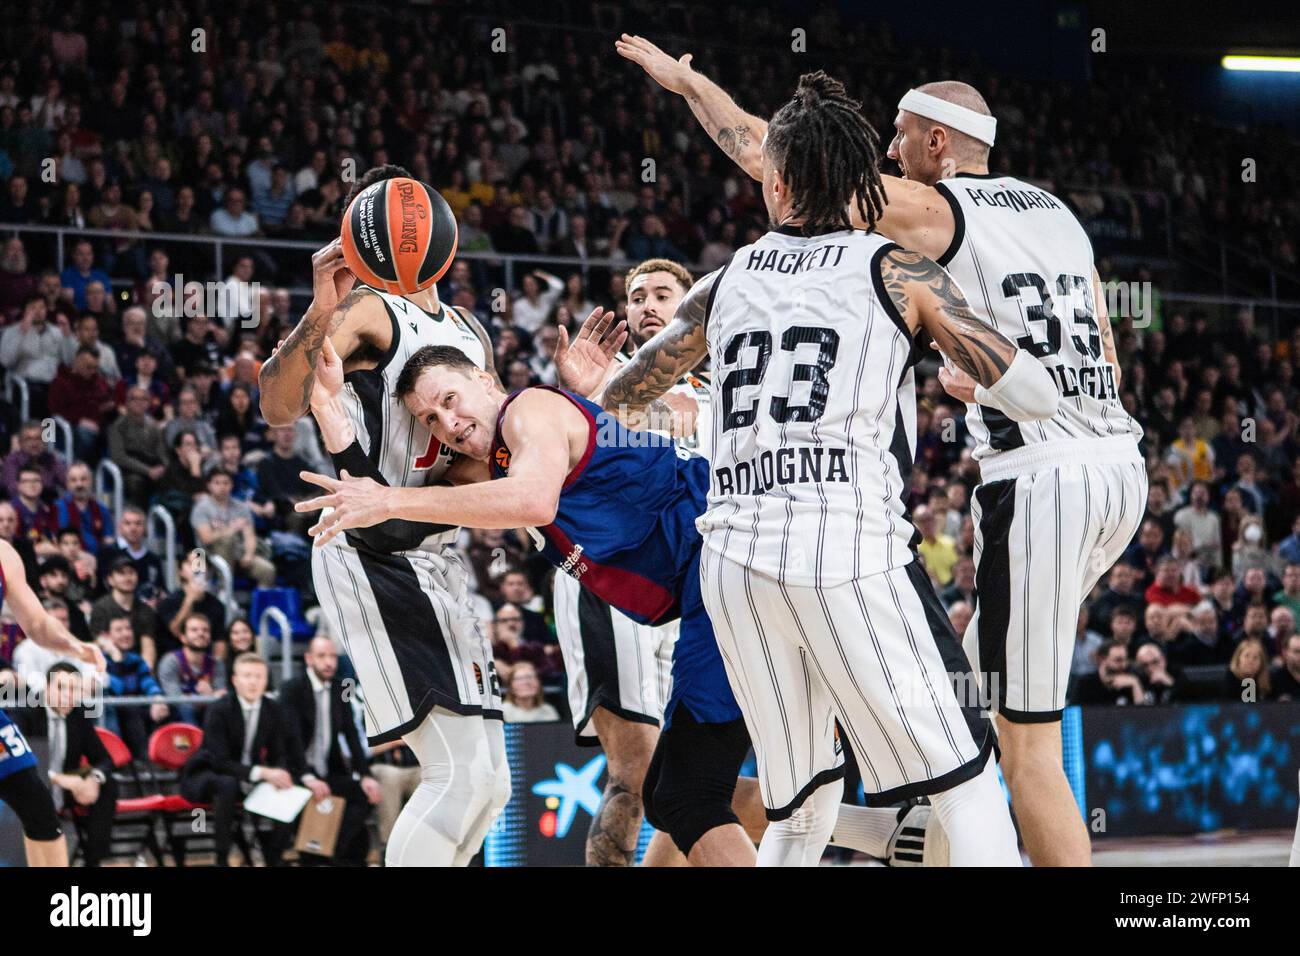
915	215
540	430
737	133
288	376
677	348
36	622
998	374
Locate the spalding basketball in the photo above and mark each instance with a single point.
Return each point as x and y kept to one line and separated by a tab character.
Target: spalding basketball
399	235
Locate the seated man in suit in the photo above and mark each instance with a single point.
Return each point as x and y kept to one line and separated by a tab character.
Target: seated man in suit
70	732
318	710
246	739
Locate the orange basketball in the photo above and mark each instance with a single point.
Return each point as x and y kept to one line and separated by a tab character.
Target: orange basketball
399	235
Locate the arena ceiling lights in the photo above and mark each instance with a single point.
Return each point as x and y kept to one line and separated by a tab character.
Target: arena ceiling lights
1253	63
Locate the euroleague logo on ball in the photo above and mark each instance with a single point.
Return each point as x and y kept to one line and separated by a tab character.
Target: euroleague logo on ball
399	235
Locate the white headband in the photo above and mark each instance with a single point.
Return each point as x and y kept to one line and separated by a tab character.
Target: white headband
960	118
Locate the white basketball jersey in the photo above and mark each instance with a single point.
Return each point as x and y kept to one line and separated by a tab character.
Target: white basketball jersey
403	449
1025	265
814	410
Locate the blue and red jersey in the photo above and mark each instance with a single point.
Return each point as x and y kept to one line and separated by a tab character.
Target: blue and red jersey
625	527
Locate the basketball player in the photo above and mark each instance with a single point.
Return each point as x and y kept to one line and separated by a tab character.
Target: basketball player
821	609
1060	499
21	785
397	596
619	670
615	508
596	639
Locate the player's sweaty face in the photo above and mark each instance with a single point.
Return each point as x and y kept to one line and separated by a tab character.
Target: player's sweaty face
908	149
651	303
457	408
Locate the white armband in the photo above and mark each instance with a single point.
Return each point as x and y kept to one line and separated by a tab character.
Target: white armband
1026	391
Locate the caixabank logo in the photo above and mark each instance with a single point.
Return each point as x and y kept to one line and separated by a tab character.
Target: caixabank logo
568	791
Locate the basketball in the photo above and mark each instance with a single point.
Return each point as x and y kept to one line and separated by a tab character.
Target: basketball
399	235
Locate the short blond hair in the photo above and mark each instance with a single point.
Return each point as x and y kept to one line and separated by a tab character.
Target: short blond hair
674	269
249	657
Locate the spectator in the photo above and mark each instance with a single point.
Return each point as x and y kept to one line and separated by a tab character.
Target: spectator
1159	686
192	596
33	450
1289	548
1123	625
962	587
225	527
17	285
240	418
83	584
36	520
1248	676
1203	525
280	484
1204	642
133	544
55	579
524	703
192	670
510	646
1250	550
533	306
129	675
240	638
1284	678
32	350
81	394
938	551
9	533
1289	596
123	581
246	739
82	272
198	347
82	512
1086	644
86	336
516	589
1144	553
1281	625
1112	682
1169	589
81	770
317	710
189	418
137	446
182	482
233	220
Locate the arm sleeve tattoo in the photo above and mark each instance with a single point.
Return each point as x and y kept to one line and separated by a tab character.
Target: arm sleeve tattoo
973	345
660	363
303	345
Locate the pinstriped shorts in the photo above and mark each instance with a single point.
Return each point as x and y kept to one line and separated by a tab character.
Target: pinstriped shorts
874	657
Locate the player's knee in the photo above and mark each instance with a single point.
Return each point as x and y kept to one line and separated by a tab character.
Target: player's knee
33	805
686	809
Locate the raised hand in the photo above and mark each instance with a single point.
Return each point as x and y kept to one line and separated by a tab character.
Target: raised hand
582	363
356	503
673	75
331	279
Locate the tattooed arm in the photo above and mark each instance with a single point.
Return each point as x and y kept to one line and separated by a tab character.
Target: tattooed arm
675	350
1104	326
1002	376
346	315
738	133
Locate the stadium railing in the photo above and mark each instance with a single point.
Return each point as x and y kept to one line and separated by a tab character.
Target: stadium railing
158	515
109	487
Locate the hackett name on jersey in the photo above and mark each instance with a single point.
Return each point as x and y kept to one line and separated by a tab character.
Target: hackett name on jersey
779	467
788	263
1017	200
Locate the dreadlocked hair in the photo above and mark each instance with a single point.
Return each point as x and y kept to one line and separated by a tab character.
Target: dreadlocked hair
828	154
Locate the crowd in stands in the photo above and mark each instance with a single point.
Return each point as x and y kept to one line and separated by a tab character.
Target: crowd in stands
254	127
